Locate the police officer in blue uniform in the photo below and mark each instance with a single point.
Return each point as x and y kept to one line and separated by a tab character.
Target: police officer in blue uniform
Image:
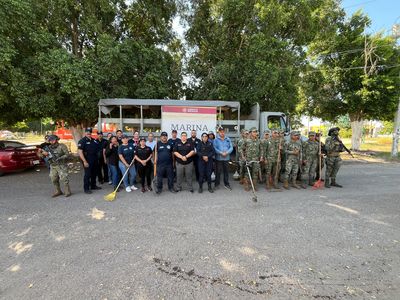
88	149
164	163
205	153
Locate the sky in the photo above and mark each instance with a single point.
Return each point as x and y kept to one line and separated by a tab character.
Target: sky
383	13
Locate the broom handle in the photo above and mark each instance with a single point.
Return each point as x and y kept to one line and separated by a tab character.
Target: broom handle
155	159
320	158
126	172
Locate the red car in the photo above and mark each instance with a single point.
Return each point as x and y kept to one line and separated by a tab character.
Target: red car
15	156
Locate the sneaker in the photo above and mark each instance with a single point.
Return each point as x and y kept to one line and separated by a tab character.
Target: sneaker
110	182
128	189
149	188
134	188
228	187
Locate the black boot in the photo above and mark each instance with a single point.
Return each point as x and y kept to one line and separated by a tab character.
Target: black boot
200	188
335	184
210	188
327	184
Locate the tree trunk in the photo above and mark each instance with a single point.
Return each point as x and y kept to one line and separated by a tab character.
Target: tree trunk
77	132
357	123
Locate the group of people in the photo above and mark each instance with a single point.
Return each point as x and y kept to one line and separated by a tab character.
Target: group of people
268	160
272	159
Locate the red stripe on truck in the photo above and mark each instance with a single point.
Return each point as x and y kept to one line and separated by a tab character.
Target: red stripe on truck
189	109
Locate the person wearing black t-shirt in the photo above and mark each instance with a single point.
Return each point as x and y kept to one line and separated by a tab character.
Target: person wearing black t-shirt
183	152
103	168
111	153
143	155
195	142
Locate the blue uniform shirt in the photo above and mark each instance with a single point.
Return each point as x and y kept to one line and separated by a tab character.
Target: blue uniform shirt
164	153
90	148
127	151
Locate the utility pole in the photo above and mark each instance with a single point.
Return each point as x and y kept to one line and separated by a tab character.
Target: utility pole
396	131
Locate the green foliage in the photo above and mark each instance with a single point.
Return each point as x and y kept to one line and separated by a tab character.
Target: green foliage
336	84
252	51
59	58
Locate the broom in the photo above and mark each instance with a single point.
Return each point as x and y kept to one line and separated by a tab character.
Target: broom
111	196
154	181
318	184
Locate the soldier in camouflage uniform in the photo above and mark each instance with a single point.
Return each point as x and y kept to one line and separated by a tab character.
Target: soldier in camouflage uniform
264	165
293	153
57	155
242	167
273	159
252	152
310	158
320	161
333	147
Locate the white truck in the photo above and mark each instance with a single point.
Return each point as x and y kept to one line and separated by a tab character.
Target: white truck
155	115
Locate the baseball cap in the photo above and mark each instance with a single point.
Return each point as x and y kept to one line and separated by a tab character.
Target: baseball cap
164	133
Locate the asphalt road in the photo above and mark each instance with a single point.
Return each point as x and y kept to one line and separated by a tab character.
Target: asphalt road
323	244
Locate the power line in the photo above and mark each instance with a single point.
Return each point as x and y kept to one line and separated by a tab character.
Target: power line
357	68
359	4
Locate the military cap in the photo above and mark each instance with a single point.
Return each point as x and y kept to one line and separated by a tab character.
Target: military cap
295	133
267	131
253	129
312	133
243	130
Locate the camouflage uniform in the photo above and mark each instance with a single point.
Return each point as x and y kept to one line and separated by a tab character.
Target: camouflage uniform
320	161
310	159
253	152
273	157
242	163
333	147
58	168
293	158
264	164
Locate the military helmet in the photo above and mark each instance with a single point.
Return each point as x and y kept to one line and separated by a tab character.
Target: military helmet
332	130
53	137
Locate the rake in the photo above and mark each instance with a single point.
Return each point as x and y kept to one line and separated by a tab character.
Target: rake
111	196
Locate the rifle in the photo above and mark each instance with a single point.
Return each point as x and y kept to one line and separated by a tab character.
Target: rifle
344	147
51	157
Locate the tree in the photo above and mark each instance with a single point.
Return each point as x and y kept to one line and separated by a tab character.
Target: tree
252	51
75	52
352	73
